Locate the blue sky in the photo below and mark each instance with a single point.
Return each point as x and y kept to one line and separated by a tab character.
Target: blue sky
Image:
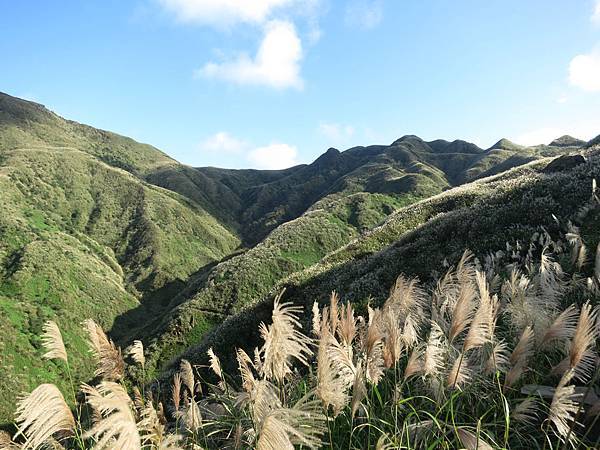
272	83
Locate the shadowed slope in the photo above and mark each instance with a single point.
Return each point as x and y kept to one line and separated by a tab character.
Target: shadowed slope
481	216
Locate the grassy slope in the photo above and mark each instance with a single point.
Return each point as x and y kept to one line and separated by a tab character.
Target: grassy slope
25	124
244	278
64	183
415	240
365	185
80	238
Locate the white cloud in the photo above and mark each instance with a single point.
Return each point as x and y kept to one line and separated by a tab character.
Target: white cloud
224	12
364	14
596	14
545	135
336	133
276	64
274	156
584	71
223	142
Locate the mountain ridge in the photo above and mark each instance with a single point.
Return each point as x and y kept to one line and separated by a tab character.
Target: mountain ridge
95	223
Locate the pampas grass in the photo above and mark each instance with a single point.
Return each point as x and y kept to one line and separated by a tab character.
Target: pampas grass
109	362
136	352
437	367
582	356
282	428
435	352
520	357
176	391
53	342
283	342
332	383
564	407
43	414
116	428
562	328
187	375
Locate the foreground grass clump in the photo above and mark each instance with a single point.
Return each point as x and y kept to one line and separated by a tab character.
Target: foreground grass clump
494	355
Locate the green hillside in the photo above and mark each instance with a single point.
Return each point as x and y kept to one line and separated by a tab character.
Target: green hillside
419	239
81	238
352	192
96	225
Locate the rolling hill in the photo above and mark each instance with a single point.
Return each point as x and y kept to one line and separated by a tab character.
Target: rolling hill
96	225
492	216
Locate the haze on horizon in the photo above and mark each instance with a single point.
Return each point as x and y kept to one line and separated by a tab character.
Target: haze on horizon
273	83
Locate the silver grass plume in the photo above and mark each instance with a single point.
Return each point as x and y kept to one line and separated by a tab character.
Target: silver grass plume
410	332
471	441
6	442
374	347
405	297
562	328
109	362
191	416
136	352
316	319
42	414
444	298
597	263
52	342
579	250
283	342
383	443
263	399
215	365
520	356
138	399
393	343
359	388
435	351
463	310
334	376
481	330
187	375
245	368
414	366
582	353
582	357
347	326
334	312
551	275
498	359
176	391
153	432
564	407
283	428
117	428
526	411
459	374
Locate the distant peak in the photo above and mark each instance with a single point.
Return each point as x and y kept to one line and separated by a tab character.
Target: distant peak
456	146
407	137
328	158
567	141
505	144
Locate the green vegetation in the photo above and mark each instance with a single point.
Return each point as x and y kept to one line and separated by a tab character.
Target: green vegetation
496	353
96	225
78	236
